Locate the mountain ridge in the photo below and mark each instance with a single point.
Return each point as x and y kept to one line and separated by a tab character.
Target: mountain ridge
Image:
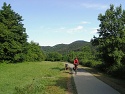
64	48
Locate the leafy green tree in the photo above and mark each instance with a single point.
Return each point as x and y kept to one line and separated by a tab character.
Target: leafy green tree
111	41
54	56
85	54
71	56
34	52
13	37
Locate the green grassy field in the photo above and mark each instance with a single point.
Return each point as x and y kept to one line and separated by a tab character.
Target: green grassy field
33	78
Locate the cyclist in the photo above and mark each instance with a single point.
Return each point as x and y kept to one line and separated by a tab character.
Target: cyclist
76	63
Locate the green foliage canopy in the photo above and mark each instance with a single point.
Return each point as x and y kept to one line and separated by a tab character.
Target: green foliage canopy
34	52
54	56
111	40
13	37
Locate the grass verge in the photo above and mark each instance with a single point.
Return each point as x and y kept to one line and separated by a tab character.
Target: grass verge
35	78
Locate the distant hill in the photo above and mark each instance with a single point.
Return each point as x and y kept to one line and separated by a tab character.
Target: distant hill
64	48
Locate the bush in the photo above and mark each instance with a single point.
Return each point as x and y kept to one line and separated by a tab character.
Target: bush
101	67
54	56
90	63
117	71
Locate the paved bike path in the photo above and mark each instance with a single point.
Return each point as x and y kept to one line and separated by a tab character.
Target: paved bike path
86	83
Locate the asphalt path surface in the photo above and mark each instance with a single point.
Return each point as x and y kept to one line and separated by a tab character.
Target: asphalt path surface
86	83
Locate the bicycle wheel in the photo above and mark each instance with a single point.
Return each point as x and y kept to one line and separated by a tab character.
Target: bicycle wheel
75	70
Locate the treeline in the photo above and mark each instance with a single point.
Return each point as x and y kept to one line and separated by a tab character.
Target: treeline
87	56
64	48
13	39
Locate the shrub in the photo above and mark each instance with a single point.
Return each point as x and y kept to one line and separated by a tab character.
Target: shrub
90	63
101	67
117	71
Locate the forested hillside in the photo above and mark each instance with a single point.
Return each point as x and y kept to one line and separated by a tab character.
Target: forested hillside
67	52
65	48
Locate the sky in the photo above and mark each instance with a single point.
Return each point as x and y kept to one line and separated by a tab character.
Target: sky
52	22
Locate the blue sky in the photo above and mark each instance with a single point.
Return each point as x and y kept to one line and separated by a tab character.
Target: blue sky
51	22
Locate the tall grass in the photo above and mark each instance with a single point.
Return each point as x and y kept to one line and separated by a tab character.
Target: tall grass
33	78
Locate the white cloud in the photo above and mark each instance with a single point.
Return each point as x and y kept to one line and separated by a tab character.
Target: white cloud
96	6
69	30
74	30
78	28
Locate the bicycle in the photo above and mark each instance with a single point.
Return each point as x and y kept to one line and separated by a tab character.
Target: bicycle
75	68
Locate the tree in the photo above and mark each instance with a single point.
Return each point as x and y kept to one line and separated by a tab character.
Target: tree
111	41
54	56
13	37
85	54
34	52
71	56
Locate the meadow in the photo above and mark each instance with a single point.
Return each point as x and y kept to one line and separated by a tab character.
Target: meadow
33	78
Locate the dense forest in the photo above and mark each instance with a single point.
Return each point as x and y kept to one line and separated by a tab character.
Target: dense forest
105	52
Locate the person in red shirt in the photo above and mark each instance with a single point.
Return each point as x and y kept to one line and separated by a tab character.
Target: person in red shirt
76	62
